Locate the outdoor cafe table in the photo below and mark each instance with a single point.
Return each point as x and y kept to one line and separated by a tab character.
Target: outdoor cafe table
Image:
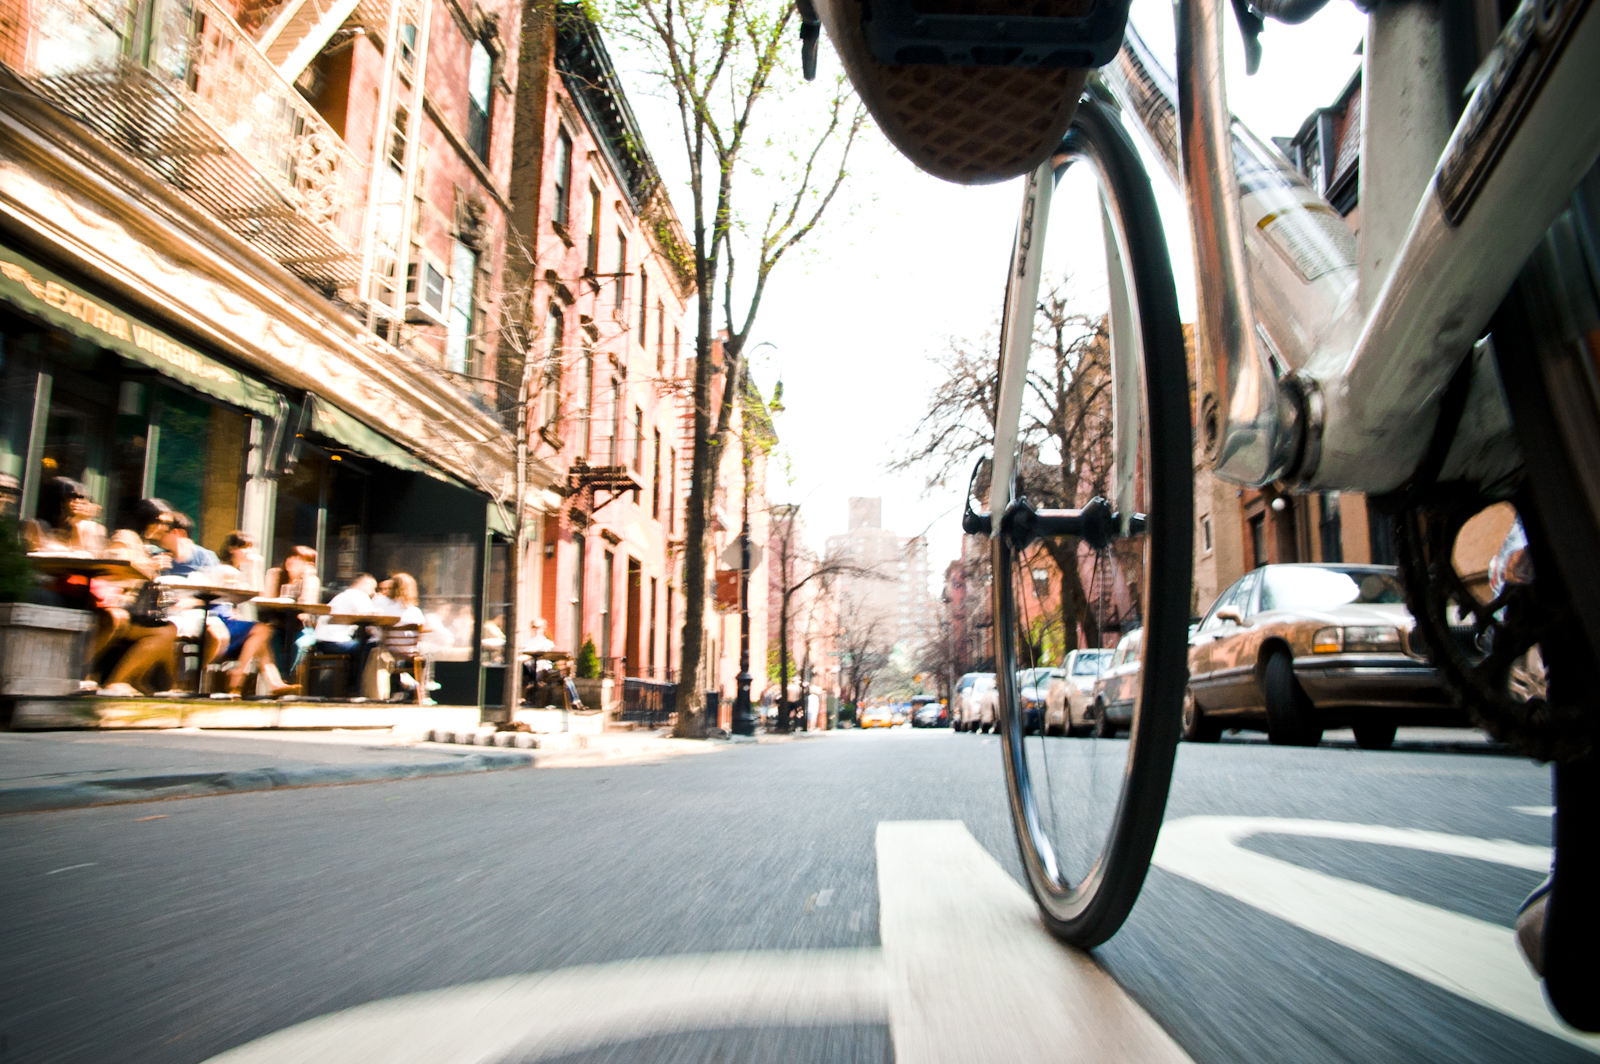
209	593
94	568
377	620
272	605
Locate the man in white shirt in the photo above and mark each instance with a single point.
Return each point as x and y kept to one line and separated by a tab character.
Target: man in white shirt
348	639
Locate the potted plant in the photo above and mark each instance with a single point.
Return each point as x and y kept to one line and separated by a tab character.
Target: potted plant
41	647
593	689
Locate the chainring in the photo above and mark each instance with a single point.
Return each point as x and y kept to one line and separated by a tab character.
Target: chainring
1491	654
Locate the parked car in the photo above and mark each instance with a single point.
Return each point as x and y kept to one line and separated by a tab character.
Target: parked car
1032	685
1299	648
1067	699
1116	689
928	712
977	699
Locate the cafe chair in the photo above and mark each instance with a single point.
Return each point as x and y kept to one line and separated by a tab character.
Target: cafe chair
315	662
399	650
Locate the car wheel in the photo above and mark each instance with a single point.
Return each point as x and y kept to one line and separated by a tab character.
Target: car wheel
1374	735
1103	728
1291	718
1196	728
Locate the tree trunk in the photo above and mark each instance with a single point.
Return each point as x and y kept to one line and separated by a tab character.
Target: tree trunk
690	723
1074	600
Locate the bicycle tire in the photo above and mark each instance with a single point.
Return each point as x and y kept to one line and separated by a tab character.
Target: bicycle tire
1085	910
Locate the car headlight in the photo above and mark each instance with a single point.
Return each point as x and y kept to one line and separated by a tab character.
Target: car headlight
1357	639
1327	641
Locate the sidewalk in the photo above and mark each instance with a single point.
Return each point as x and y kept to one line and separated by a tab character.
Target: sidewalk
64	770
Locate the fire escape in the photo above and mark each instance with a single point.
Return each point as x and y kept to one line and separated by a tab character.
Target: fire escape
213	110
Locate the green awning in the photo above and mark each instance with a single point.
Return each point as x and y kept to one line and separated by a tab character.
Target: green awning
35	290
328	420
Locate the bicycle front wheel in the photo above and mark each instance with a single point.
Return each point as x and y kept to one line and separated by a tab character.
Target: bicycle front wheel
1094	548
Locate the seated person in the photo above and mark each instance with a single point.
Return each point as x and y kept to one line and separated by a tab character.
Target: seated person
348	639
402	601
226	632
132	623
296	581
188	557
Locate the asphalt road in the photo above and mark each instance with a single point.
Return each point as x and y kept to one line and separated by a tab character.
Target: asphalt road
174	931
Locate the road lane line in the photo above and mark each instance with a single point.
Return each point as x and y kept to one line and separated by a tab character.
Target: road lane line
1472	958
967	973
1536	810
977	978
574	1009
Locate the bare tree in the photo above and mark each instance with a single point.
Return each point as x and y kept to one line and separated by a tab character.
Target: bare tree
797	567
864	645
718	61
1066	411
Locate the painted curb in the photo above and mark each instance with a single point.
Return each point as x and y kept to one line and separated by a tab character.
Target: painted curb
80	794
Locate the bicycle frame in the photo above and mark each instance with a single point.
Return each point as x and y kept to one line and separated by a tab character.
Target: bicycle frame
1349	401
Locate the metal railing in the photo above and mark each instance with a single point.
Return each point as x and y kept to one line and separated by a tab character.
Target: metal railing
649	702
179	85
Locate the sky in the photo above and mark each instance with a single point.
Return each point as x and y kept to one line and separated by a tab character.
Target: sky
903	261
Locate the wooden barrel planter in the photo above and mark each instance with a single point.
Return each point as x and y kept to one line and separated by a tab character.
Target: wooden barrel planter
41	652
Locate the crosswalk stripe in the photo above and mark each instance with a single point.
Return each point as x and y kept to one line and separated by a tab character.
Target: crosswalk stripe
1472	958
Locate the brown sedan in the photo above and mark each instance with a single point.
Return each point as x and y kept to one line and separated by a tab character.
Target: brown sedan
1300	648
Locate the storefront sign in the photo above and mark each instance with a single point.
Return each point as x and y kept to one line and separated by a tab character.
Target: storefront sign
38	292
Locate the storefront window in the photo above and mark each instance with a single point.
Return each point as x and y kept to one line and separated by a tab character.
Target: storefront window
200	449
301	519
497	604
445	566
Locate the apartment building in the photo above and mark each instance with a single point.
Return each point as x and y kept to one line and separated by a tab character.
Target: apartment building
252	260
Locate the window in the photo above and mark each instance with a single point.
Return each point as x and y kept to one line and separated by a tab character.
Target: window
585	400
622	268
1330	527
1311	587
458	329
480	73
650	657
592	261
677	352
408	46
1258	539
608	567
638	440
661	335
579	571
672	486
644	308
561	208
1205	534
655	479
550	397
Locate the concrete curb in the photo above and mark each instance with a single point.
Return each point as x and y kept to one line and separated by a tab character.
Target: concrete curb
84	793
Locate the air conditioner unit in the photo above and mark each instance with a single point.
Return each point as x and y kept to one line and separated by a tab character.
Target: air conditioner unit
427	291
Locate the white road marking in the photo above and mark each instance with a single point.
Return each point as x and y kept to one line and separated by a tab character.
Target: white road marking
985	981
573	1009
72	867
966	973
1536	810
824	896
1469	957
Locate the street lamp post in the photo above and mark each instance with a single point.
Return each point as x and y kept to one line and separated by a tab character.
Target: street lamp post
744	721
